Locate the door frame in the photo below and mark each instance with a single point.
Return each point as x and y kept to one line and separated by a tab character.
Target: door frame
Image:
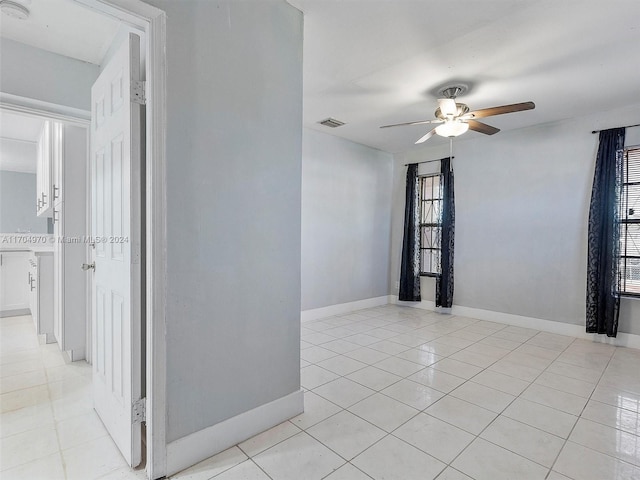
152	21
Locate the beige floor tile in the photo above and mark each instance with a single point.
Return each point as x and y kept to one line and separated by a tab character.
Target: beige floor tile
398	366
581	463
529	442
393	459
435	437
45	468
413	394
300	456
451	473
212	466
541	416
374	378
457	368
28	446
483	396
313	376
344	392
346	434
259	443
566	384
625	420
610	441
348	472
486	461
383	412
442	381
464	415
501	382
341	365
566	402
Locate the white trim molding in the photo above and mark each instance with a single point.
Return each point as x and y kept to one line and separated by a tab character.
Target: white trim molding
153	21
560	328
39	108
342	308
194	448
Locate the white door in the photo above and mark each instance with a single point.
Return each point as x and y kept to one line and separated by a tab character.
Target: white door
115	179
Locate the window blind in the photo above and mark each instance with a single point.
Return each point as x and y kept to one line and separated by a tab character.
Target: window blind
629	223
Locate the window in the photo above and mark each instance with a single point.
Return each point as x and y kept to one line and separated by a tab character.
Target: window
430	224
629	223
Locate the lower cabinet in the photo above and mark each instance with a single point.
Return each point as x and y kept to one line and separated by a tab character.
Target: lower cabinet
40	283
14	287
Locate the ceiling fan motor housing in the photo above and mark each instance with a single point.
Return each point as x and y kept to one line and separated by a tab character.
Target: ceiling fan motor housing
462	109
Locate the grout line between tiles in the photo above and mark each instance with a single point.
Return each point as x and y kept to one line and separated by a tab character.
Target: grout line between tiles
566	440
558	354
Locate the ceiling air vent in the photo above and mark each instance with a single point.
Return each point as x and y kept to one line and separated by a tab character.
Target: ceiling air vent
331	122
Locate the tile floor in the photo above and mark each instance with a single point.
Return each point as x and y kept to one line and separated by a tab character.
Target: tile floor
390	393
395	393
48	428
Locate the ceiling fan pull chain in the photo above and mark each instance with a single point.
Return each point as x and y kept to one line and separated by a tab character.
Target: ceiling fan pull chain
450	152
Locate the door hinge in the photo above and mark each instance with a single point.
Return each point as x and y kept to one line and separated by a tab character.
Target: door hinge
139	411
138	92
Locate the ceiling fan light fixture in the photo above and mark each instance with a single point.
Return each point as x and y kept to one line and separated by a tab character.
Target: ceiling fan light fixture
452	128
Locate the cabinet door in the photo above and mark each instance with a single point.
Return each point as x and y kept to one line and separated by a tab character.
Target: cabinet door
43	172
14	287
33	289
58	283
57	163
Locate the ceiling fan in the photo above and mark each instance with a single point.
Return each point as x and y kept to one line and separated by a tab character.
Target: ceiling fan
455	118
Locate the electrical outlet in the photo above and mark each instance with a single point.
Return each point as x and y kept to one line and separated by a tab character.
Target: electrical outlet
397	285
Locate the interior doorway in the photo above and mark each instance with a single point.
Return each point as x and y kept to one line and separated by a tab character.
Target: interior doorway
149	22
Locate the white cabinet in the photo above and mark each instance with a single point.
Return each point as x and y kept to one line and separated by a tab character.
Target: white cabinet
57	145
14	289
40	282
70	249
44	197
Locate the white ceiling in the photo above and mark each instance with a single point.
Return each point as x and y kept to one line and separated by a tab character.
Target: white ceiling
375	62
64	27
18	148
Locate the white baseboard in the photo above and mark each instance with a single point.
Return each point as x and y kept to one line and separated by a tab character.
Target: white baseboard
15	313
342	308
561	328
194	448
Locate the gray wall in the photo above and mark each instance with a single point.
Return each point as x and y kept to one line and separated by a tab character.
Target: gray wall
233	208
522	205
18	203
33	73
346	218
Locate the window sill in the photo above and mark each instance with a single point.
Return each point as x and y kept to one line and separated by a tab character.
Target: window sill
431	275
633	296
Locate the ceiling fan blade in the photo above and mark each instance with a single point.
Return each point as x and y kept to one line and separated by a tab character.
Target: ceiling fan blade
482	127
426	137
448	106
489	112
421	122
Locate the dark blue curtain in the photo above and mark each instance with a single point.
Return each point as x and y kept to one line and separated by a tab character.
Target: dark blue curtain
410	264
603	301
444	282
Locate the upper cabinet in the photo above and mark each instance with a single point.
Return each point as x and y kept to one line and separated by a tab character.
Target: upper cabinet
49	169
43	171
56	163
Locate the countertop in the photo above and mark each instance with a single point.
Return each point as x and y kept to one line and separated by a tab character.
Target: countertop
27	242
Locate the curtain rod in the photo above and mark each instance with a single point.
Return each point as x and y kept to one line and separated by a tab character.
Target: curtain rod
627	126
426	161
